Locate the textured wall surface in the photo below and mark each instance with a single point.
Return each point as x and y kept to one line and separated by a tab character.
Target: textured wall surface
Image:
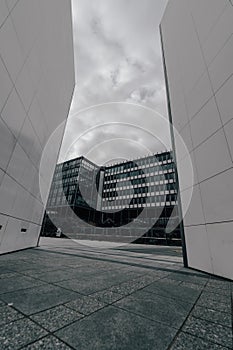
197	38
36	85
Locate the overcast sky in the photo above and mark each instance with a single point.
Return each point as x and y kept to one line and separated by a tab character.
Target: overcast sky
117	59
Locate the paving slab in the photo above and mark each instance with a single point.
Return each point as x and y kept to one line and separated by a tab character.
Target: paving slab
32	300
8	314
17	283
129	287
210	331
216	283
8	274
85	304
186	341
86	285
219	298
64	296
47	343
185	276
113	329
16	334
61	274
107	296
155	307
56	318
214	304
223	318
192	285
218	290
170	281
179	292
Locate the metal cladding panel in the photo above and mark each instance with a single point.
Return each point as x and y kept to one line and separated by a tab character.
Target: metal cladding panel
198	59
36	83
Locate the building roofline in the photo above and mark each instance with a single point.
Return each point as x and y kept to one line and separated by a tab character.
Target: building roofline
116	164
81	158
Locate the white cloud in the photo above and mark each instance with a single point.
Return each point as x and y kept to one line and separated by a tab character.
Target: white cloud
118	58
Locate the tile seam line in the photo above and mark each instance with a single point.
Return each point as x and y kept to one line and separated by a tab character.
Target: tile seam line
208	340
45	336
25	317
155	268
27	56
218	52
101	290
215	22
79	294
168	270
166	297
17	140
206	39
190	91
28	318
208	178
20	219
153	263
14	87
90	314
107	289
11	89
212	88
20	70
210	136
9	12
204	307
5	170
55	284
210	223
213	322
132	259
21	289
144	317
201	143
180	329
52	333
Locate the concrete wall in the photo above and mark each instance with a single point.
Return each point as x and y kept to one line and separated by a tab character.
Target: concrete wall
36	85
197	38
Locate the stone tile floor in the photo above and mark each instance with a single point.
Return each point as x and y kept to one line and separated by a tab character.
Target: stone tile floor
63	295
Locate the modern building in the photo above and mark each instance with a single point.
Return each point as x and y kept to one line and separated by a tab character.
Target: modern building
67	179
197	45
143	191
36	85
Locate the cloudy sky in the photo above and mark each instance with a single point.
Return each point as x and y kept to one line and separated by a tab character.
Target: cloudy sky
120	94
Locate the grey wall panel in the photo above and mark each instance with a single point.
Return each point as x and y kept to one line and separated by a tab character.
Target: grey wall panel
198	50
36	85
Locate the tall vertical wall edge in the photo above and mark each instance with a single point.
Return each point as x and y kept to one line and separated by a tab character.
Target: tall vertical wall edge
184	250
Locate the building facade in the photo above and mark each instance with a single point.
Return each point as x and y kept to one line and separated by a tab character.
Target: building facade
36	83
108	199
198	60
67	179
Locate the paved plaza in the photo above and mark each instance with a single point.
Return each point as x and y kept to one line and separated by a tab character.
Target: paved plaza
63	295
